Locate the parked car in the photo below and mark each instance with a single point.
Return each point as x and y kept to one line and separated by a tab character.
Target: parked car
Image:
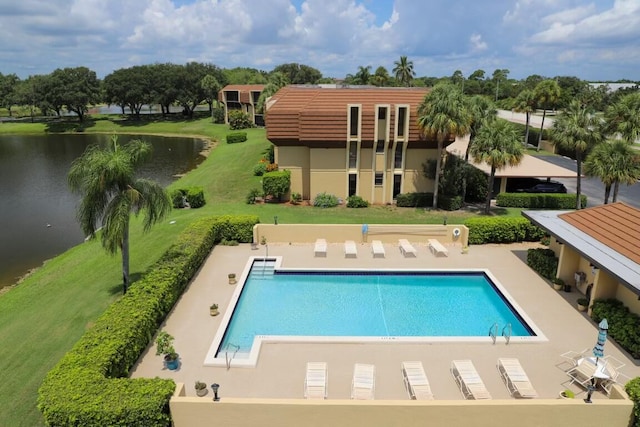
545	187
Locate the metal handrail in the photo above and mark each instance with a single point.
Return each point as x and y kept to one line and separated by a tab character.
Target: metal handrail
507	336
493	331
226	354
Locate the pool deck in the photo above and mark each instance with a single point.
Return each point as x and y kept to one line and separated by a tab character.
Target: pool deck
281	366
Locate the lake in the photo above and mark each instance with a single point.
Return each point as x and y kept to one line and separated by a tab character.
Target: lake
38	212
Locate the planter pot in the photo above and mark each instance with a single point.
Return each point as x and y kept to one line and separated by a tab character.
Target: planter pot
232	279
201	392
172	364
567	288
214	311
562	396
582	307
557	287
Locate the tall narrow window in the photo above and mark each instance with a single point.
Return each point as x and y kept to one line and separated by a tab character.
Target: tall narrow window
382	113
397	185
380	146
353	114
402	119
379	178
397	159
353	155
353	181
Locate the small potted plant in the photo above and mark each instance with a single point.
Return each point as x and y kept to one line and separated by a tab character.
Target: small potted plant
558	283
567	394
465	249
213	310
263	240
583	304
232	278
201	388
164	346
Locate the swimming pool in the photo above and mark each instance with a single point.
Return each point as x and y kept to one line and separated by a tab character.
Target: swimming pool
360	305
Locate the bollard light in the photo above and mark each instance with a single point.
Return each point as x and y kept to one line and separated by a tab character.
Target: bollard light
215	387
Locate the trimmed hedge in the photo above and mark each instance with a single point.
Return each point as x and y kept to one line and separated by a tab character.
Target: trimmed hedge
325	200
543	261
89	385
624	326
539	200
276	183
195	197
449	203
356	202
502	230
414	200
234	137
633	390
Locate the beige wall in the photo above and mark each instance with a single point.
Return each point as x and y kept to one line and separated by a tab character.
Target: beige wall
338	233
628	298
317	170
202	411
568	263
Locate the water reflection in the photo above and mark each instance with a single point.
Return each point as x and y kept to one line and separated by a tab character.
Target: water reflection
38	213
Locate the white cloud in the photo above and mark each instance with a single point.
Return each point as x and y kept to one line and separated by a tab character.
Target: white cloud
477	44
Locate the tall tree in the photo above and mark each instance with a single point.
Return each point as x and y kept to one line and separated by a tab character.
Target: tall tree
8	86
363	75
299	74
457	78
623	118
577	129
79	88
211	86
380	77
547	93
525	103
277	80
403	70
613	161
498	145
481	112
105	177
443	115
499	75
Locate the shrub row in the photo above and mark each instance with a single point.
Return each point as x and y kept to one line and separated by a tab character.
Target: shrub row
449	203
193	195
276	183
234	137
502	230
356	202
633	390
325	200
414	200
624	326
543	261
88	386
539	201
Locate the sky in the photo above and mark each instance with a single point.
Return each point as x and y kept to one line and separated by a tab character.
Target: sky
595	40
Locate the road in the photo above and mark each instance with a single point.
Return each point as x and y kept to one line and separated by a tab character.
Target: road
593	187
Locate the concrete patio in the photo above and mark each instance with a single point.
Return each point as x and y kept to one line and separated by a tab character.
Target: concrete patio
281	366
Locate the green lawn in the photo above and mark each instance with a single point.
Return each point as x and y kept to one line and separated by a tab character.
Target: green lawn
44	316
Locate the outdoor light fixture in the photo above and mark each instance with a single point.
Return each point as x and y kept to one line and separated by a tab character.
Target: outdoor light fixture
590	389
444	220
215	387
275	220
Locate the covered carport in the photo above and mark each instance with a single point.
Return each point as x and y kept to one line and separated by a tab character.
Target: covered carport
529	167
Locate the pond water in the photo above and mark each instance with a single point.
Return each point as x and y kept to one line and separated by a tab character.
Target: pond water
38	212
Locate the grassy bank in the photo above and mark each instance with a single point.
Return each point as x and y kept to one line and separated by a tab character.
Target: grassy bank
44	316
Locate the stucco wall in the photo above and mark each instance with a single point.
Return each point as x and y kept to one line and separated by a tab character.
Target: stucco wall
295	159
338	233
196	412
628	298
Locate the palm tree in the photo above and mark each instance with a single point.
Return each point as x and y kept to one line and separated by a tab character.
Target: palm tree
363	75
481	111
380	77
105	177
547	94
498	145
578	130
403	71
613	161
443	115
525	103
623	118
276	81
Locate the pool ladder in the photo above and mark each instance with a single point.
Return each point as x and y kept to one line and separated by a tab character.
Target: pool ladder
506	332
226	354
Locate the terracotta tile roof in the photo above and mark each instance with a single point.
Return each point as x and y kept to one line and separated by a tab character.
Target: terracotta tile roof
297	113
616	225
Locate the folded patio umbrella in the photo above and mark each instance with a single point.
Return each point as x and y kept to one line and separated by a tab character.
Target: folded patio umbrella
598	350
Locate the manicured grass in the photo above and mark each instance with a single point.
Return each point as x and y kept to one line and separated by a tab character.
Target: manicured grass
43	317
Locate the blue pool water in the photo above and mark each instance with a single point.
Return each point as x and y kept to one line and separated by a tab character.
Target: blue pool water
388	304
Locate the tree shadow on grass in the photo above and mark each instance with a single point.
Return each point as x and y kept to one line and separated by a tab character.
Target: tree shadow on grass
64	125
117	288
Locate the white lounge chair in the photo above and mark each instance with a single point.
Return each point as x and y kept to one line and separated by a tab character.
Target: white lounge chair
574	356
406	248
612	369
437	248
415	381
315	381
468	380
320	248
350	249
515	378
364	382
377	248
584	372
